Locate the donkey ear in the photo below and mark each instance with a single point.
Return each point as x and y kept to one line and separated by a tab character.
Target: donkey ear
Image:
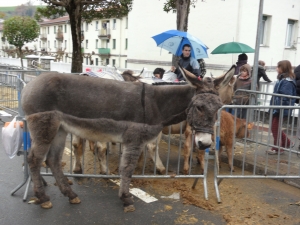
226	78
189	77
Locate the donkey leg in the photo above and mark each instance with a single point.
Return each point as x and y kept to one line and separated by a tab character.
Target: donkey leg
35	159
155	156
187	149
229	155
129	160
43	128
77	143
101	154
53	160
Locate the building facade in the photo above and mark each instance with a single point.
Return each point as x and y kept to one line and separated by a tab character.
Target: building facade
103	41
215	22
127	42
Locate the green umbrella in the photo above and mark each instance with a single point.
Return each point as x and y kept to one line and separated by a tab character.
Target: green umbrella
233	47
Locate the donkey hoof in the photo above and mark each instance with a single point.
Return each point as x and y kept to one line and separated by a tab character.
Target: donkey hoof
77	171
162	171
75	200
70	182
47	205
129	208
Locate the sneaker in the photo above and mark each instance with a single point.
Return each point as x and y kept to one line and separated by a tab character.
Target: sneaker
274	152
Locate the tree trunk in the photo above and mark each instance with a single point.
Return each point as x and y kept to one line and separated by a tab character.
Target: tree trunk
183	9
74	10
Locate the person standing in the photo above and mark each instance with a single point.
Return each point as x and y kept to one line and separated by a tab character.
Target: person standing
285	85
297	74
242	60
187	62
242	98
261	73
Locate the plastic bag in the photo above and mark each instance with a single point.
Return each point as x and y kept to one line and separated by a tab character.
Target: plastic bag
12	138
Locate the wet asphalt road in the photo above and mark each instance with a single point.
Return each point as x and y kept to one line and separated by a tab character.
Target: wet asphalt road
99	203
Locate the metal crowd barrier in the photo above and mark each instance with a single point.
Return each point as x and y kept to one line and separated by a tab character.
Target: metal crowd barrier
250	152
260	137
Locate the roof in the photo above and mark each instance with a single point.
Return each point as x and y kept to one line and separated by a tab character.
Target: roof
60	20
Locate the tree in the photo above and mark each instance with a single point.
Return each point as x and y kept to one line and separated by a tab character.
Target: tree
182	8
2	15
86	10
20	30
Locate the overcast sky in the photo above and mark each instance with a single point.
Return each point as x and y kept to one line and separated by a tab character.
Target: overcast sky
18	2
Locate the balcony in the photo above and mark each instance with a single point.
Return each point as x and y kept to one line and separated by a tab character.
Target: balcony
104	52
104	34
43	37
59	36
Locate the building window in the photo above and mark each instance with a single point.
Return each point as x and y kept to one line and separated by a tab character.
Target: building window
65	28
114	24
54	29
126	43
87	61
289	42
107	61
97	24
126	26
40	44
48	30
113	62
96	43
54	44
48	44
65	44
66	59
86	26
265	30
97	62
114	44
125	63
86	44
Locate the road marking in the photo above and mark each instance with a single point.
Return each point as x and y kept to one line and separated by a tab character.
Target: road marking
138	193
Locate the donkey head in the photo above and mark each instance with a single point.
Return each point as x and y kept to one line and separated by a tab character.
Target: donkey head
201	115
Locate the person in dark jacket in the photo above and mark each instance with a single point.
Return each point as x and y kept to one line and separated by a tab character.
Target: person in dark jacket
242	60
297	74
285	85
187	62
261	73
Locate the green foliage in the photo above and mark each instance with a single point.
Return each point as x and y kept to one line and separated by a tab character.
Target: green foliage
170	5
106	9
98	9
2	15
50	12
24	10
20	30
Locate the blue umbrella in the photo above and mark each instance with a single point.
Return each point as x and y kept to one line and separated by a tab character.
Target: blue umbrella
173	40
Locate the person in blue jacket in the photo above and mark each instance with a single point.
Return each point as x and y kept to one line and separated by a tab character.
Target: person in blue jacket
285	85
